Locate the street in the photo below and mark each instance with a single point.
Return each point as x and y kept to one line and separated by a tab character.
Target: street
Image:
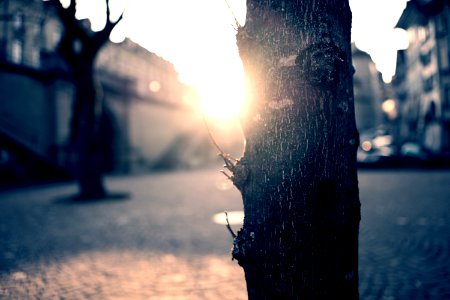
156	239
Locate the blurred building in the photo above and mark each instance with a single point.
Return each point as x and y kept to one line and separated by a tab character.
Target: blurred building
422	80
368	91
148	112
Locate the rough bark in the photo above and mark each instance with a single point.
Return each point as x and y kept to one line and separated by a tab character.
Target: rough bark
79	47
298	176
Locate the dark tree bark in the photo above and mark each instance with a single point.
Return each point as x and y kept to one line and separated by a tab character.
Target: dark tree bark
79	47
298	176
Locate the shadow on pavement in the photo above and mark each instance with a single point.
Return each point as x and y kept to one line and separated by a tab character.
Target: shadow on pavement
76	199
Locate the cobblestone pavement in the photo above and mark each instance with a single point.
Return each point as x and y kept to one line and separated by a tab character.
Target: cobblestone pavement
405	235
160	241
129	275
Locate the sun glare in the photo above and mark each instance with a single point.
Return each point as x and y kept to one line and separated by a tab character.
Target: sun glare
223	98
199	38
201	45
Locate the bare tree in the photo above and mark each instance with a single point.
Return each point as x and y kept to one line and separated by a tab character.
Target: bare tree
79	47
298	176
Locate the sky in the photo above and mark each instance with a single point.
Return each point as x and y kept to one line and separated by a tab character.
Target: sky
198	37
373	31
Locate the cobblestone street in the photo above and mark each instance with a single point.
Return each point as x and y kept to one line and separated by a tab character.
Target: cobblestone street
129	275
160	241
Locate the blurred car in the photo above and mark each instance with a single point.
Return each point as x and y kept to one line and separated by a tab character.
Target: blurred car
377	151
413	150
414	155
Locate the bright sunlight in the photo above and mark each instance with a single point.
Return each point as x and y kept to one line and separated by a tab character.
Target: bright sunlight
199	38
223	97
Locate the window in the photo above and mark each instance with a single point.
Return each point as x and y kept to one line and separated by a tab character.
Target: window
425	58
444	52
421	33
424	33
441	28
18	21
428	84
35	51
17	51
427	32
18	38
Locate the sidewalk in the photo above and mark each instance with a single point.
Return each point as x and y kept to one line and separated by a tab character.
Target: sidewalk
161	241
128	275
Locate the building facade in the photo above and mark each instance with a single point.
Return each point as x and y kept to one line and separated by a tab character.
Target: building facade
368	91
423	75
148	111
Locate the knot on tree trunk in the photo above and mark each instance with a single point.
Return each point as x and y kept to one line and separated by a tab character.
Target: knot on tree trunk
243	246
240	174
321	63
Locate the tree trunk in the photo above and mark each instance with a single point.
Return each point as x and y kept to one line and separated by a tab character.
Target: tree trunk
86	132
298	176
79	47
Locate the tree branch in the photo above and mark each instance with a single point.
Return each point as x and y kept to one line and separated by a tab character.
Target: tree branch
102	36
71	10
108	11
109	24
65	14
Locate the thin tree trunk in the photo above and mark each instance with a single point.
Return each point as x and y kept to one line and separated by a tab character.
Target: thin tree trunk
298	176
86	135
79	47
